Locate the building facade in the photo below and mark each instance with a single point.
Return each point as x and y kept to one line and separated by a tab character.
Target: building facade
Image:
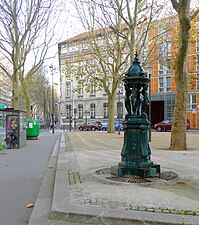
5	90
163	87
77	105
80	103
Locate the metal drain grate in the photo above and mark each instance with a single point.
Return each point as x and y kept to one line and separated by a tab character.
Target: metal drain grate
129	180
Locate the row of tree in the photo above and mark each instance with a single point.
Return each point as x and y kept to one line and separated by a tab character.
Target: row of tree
27	31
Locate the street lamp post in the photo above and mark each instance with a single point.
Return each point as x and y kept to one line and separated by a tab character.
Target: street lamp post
86	114
119	109
86	119
70	117
53	99
75	120
44	117
150	69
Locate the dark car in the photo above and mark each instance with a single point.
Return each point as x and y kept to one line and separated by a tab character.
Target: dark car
90	126
166	124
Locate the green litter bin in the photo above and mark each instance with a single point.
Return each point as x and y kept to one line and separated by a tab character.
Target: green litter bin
1	146
32	128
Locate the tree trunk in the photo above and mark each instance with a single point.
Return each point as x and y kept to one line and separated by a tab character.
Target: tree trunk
15	94
27	96
111	100
178	133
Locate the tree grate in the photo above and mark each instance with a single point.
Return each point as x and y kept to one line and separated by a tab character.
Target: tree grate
107	171
168	175
129	180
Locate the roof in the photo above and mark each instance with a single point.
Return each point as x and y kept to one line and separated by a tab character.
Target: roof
12	110
86	34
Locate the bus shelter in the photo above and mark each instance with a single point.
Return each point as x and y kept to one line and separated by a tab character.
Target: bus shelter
13	120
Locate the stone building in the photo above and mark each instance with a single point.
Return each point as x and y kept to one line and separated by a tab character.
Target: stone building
78	104
5	90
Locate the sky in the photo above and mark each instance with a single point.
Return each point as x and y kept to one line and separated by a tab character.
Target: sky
68	26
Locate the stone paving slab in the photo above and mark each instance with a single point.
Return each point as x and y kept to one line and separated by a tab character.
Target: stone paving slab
82	196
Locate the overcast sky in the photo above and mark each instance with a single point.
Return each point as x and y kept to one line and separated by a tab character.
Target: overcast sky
68	26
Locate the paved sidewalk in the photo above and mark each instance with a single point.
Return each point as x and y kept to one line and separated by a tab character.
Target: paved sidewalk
84	192
21	174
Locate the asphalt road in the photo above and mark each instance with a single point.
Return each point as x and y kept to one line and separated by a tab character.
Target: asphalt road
21	174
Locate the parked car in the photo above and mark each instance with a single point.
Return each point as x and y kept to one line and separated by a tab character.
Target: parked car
166	124
104	127
90	126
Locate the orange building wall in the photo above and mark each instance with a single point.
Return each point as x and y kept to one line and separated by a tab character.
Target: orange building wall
193	115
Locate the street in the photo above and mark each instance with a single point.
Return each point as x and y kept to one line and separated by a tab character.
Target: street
21	172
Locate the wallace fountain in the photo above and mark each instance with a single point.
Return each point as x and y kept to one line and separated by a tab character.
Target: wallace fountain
136	152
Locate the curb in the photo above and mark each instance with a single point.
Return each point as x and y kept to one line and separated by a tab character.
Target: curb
43	202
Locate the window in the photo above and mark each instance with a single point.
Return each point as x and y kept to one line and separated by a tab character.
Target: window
124	56
81	67
85	46
197	23
70	49
93	89
120	89
119	110
145	50
163	69
63	50
161	50
68	89
168	66
168	82
191	101
92	110
100	41
197	81
161	84
197	45
68	111
108	85
197	62
80	111
80	88
169	48
105	106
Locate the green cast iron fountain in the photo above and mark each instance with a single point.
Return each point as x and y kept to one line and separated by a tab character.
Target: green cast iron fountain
136	152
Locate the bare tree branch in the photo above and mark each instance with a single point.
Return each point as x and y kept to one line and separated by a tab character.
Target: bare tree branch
175	4
194	14
27	29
